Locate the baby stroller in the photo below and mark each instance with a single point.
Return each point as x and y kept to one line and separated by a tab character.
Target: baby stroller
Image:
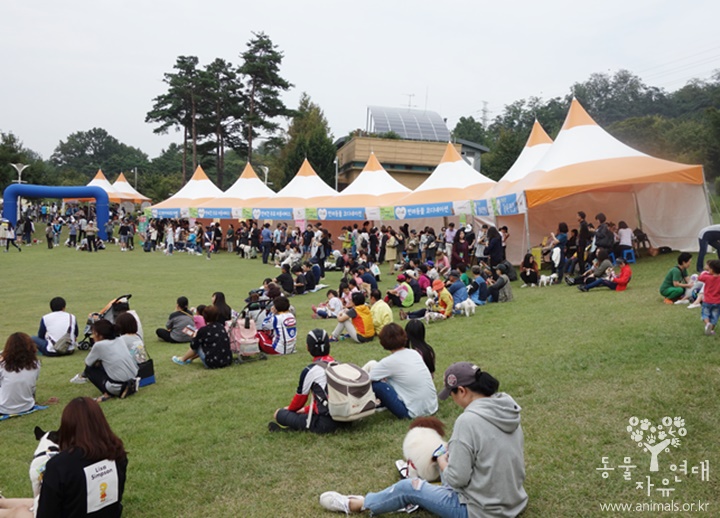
244	338
109	312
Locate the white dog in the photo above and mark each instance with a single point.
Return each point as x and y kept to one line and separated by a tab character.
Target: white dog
422	443
432	316
547	280
467	306
247	251
47	448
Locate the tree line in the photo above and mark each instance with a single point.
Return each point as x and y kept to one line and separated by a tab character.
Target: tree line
231	114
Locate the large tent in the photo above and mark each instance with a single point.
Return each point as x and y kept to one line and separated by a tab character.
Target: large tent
101	181
237	202
587	169
504	200
122	186
362	199
449	190
196	192
303	192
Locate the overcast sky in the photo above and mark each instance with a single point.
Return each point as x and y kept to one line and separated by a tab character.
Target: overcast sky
73	65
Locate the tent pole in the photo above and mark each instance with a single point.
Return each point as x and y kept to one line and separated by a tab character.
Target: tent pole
527	227
707	199
637	209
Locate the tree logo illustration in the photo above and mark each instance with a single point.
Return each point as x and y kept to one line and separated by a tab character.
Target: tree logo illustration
655	439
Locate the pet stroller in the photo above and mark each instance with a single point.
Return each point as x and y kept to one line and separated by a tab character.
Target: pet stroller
244	338
109	312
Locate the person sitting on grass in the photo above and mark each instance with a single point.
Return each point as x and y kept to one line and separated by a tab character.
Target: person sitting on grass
529	271
367	277
109	365
128	329
486	447
600	269
285	280
180	325
300	282
356	321
676	282
401	295
211	343
53	327
316	417
401	381
381	313
617	283
329	309
478	290
19	371
499	290
457	287
443	305
283	327
415	331
711	296
310	280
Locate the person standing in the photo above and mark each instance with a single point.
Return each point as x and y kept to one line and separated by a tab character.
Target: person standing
266	236
10	238
90	233
582	240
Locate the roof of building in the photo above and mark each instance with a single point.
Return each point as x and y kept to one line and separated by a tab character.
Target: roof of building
473	145
409	124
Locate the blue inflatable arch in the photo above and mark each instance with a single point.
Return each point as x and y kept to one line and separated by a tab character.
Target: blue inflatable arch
13	192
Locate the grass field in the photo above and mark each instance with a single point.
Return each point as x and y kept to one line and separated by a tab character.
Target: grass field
580	365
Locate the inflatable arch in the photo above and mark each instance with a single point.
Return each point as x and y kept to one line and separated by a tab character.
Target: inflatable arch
102	203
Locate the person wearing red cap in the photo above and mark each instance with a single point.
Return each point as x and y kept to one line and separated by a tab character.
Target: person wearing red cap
401	295
483	469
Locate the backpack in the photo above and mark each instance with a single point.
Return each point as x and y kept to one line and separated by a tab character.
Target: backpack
243	335
349	391
62	345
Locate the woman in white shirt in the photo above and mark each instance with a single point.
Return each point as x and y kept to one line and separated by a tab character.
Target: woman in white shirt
19	371
625	239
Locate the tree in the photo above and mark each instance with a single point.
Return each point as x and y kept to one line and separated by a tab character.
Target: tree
467	128
87	151
262	88
309	137
178	107
221	107
504	150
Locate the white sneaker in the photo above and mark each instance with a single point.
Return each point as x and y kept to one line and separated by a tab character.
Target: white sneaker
682	301
78	379
709	329
694	305
334	501
524	286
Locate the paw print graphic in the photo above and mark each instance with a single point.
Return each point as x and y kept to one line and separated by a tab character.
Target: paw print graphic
675	442
651	439
679	422
645	424
636	435
661	436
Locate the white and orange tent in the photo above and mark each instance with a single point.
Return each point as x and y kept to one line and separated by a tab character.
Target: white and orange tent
101	181
197	191
122	186
303	191
247	192
450	189
373	188
587	169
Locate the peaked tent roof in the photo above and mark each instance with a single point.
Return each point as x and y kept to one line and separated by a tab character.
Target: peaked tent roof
246	190
453	180
302	191
374	187
584	157
122	186
101	181
198	190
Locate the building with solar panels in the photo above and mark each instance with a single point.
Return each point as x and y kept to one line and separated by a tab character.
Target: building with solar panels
408	143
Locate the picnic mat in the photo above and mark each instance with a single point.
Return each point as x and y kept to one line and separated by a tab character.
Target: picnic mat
3	417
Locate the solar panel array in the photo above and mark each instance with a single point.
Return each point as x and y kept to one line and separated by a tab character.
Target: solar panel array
410	124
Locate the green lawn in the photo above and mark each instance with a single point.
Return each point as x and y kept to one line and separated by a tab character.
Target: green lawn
580	365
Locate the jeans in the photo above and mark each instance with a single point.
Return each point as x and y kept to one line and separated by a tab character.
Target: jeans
442	500
711	313
600	282
266	246
42	344
711	238
390	400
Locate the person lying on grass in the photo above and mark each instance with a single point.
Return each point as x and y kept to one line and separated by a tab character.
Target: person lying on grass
316	418
211	343
486	447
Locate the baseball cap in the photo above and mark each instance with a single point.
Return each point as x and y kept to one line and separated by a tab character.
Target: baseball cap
401	277
454	273
437	285
502	268
459	374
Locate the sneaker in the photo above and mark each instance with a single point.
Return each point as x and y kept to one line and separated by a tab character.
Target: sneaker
582	288
78	379
333	339
709	329
524	286
533	285
694	305
569	281
403	315
668	301
402	468
682	301
334	501
274	427
179	361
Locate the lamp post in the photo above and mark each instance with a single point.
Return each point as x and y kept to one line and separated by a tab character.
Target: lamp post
265	170
20	168
336	172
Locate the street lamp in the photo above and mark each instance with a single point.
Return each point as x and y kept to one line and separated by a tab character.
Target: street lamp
20	168
265	170
336	172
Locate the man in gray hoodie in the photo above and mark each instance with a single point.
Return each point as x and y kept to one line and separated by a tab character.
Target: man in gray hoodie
484	468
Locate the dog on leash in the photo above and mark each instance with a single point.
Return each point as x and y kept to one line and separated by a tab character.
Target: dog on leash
423	442
46	449
467	306
247	252
547	280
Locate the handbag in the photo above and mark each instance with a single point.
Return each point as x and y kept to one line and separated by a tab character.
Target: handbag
146	372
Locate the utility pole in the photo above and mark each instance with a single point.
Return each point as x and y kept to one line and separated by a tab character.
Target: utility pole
410	97
485	117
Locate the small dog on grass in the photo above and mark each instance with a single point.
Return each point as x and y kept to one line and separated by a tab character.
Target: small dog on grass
547	280
467	306
47	448
422	445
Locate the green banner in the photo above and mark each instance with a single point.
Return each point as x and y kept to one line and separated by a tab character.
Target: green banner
463	219
247	213
311	214
193	212
387	213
